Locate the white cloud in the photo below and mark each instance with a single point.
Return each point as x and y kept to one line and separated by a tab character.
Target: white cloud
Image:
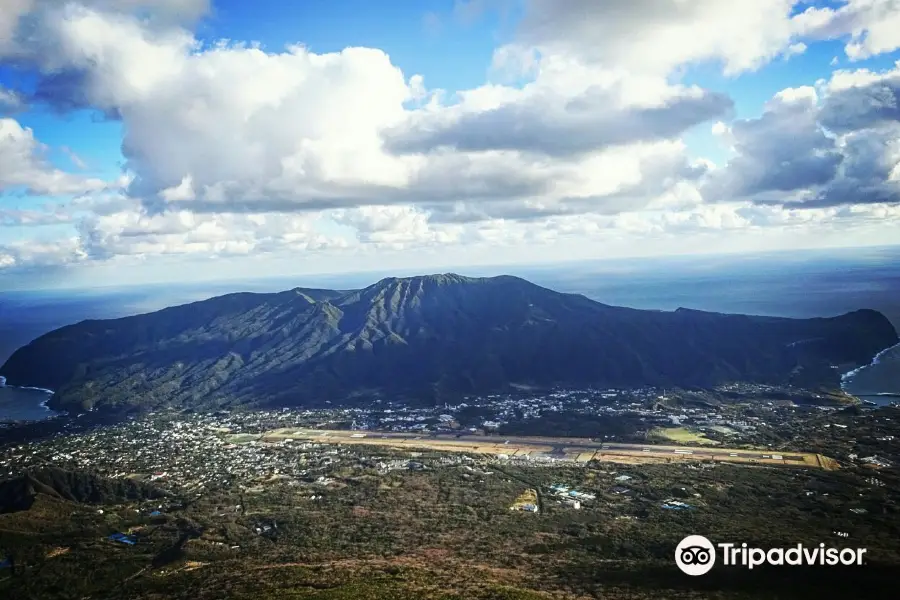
34	217
40	253
14	28
873	26
74	158
783	150
10	101
231	149
568	110
835	145
659	35
132	231
241	125
22	165
795	49
235	128
396	226
862	100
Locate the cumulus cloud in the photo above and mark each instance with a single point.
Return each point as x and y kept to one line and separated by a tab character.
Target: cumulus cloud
235	128
17	27
862	100
873	26
838	145
232	124
40	253
783	150
870	171
659	35
742	35
547	119
132	231
23	166
395	226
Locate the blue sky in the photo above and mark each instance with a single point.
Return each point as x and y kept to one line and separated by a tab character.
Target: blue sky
427	149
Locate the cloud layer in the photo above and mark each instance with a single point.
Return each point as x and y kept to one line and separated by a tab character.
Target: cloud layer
234	149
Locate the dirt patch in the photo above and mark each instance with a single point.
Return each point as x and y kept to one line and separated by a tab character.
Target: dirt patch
527	501
57	552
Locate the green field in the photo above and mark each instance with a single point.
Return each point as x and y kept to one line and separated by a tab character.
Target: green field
681	435
242	438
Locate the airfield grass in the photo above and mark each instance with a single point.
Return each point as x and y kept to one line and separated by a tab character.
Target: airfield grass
242	438
681	435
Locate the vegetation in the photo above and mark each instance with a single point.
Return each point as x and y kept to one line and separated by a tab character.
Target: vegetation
19	493
444	533
679	435
430	337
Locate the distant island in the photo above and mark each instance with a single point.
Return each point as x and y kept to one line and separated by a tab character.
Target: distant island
426	339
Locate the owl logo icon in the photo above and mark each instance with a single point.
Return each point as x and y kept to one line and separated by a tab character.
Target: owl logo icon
695	555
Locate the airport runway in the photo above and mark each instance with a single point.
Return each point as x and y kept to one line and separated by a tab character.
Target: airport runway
576	449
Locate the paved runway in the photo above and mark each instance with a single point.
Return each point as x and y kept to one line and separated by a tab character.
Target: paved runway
578	449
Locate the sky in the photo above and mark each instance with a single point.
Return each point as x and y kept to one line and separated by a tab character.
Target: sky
190	140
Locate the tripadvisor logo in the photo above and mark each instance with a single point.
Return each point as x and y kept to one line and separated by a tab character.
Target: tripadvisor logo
696	555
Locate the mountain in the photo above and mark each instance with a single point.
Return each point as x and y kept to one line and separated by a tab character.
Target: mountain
19	493
427	337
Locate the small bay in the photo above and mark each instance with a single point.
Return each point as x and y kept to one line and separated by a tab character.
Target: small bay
24	404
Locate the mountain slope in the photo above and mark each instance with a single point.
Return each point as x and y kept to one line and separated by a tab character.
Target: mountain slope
425	336
19	493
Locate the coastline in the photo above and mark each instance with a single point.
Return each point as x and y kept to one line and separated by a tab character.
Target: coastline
24	387
876	360
850	380
43	404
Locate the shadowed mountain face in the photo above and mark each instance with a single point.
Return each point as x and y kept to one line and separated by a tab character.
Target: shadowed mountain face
19	493
429	337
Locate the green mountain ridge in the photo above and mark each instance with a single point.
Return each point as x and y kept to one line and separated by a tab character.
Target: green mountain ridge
426	337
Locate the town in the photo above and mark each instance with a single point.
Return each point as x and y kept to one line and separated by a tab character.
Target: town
218	496
191	451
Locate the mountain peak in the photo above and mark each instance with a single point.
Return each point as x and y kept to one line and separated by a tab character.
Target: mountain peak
449	279
443	287
433	278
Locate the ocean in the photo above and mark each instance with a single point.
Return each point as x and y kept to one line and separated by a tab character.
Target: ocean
878	382
23	404
799	284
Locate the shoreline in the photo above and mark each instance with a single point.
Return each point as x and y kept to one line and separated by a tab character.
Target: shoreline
43	404
847	378
23	387
875	361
